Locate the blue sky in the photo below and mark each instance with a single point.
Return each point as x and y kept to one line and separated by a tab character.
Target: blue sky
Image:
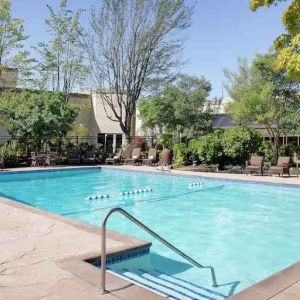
222	30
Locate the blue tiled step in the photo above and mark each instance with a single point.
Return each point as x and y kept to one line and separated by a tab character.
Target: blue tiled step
168	286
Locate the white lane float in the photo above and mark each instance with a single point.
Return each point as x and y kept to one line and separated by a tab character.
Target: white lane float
200	183
96	197
136	191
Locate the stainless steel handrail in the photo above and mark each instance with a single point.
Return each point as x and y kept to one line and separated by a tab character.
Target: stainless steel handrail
152	233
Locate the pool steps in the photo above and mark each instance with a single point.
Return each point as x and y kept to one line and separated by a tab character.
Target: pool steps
136	191
168	286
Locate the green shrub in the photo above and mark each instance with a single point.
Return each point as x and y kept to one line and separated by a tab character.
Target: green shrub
265	150
233	146
165	141
12	152
239	143
297	150
208	148
287	150
179	154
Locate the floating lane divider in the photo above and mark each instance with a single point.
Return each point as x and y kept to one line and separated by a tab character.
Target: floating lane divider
136	191
132	203
196	183
96	197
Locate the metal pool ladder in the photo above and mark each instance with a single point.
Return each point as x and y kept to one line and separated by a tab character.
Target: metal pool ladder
152	233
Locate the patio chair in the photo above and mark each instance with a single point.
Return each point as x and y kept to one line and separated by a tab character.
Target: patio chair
126	154
52	159
152	157
40	159
116	159
135	157
32	159
1	163
296	161
282	167
89	157
255	166
74	158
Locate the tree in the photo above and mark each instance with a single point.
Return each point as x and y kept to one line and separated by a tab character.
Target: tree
239	143
156	115
286	45
12	36
79	130
179	108
264	96
61	65
130	44
37	117
209	148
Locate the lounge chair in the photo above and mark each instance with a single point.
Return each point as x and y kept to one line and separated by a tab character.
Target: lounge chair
32	159
135	157
51	159
126	154
40	159
296	161
255	166
116	159
89	158
74	158
152	157
1	163
282	167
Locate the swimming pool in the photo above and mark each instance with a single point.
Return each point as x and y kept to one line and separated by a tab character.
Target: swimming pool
246	231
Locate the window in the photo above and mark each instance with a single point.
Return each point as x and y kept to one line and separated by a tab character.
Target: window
101	139
119	140
109	148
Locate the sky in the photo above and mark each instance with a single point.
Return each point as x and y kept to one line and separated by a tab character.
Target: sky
221	31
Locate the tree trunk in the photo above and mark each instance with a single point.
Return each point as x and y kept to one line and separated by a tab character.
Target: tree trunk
59	146
126	128
274	138
127	134
276	147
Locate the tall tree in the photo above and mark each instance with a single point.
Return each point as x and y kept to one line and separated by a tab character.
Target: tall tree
130	44
266	97
179	108
286	45
12	36
61	65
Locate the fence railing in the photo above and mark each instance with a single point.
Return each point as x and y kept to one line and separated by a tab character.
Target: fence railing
108	142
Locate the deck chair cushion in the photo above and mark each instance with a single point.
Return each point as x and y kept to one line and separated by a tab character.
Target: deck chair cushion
256	160
283	160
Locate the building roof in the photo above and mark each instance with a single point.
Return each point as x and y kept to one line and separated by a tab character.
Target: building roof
223	121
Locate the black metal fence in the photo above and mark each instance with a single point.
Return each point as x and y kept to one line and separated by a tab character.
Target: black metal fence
110	142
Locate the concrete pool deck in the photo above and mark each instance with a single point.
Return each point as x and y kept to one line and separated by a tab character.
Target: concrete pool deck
42	255
293	180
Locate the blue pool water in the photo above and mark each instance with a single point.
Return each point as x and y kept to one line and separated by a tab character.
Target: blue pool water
245	231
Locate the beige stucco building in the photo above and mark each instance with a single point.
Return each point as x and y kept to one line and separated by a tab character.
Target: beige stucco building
94	115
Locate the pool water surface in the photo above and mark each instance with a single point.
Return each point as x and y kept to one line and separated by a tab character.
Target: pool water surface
246	231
